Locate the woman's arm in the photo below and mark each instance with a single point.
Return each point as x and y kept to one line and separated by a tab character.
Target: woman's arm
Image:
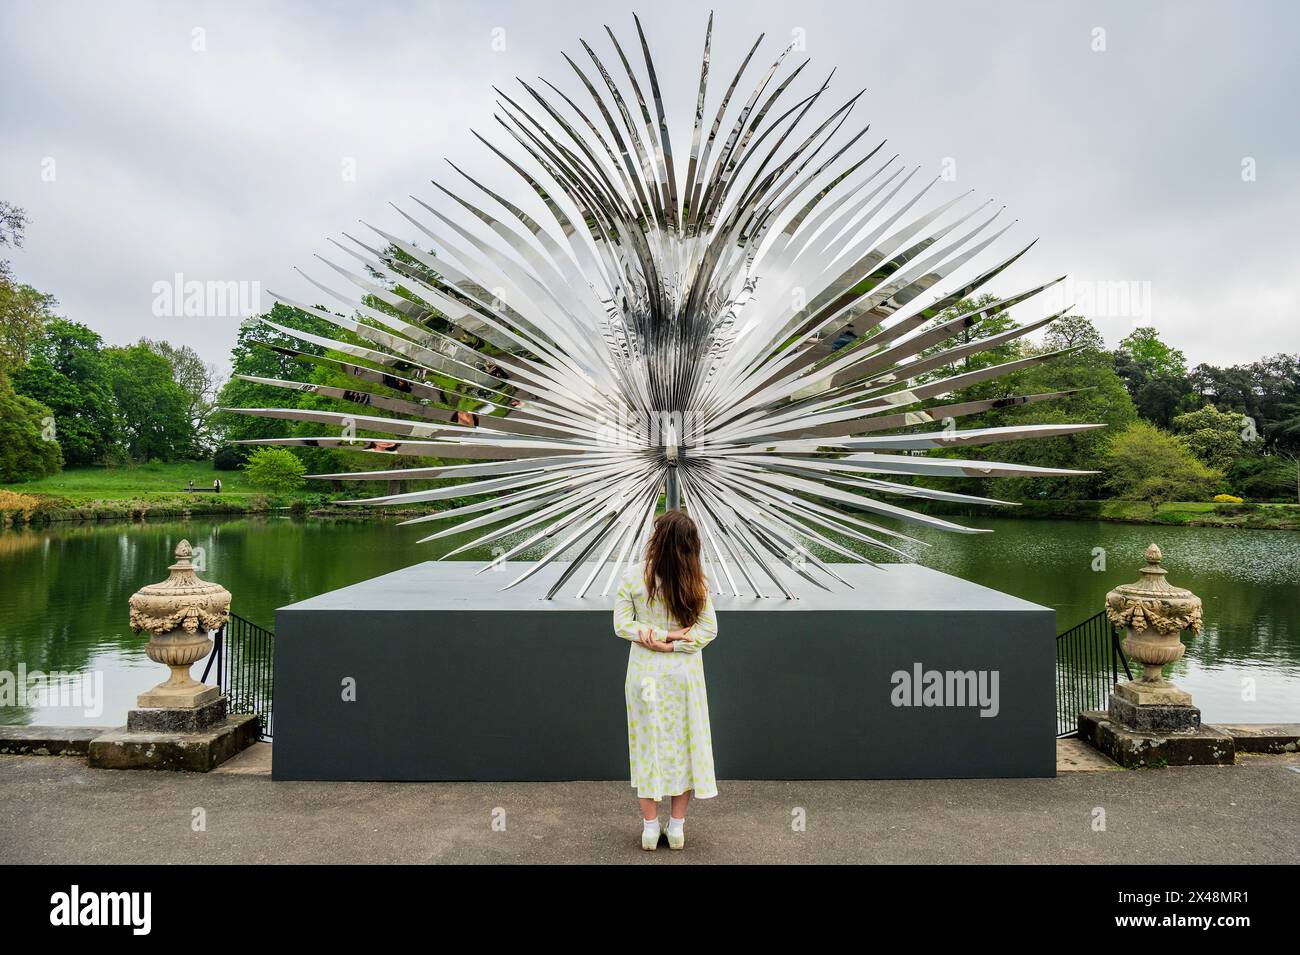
626	625
702	633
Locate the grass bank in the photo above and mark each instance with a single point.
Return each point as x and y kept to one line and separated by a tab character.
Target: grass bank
159	491
145	482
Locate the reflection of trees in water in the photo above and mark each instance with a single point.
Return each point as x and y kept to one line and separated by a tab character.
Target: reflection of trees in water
1246	579
14	540
65	587
70	587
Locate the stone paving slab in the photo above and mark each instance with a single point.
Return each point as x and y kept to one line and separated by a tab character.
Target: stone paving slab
1264	737
62	811
1073	755
254	761
49	740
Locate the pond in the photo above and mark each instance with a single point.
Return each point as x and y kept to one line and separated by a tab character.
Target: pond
64	590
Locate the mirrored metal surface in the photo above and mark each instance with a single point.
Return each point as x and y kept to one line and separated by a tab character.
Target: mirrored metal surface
736	340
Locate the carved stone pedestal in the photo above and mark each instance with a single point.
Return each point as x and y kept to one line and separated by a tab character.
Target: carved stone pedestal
178	613
1150	721
188	719
198	750
180	723
1158	707
1143	749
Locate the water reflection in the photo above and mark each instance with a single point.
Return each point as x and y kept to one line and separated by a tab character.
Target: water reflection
64	591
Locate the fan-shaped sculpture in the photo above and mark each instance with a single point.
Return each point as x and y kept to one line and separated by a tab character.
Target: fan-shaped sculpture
747	339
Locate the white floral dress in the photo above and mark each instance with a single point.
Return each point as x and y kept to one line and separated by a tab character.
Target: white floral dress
668	739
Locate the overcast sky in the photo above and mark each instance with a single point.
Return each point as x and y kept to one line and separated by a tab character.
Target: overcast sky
1152	143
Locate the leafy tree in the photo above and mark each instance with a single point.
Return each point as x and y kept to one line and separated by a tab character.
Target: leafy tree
23	314
250	357
1271	477
1155	374
28	450
67	372
1097	396
1290	466
229	457
13	224
1144	463
987	327
1073	331
1276	381
1214	436
198	380
1145	348
153	408
1231	389
275	469
23	310
1267	391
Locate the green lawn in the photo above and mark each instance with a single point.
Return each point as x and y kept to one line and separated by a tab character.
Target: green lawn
162	486
151	482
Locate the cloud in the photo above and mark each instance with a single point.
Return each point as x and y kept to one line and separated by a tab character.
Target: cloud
226	163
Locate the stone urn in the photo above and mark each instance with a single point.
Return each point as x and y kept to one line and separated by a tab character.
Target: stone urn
1149	721
1153	613
178	613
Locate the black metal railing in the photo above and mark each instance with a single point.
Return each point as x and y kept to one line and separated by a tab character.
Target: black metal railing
243	659
1088	664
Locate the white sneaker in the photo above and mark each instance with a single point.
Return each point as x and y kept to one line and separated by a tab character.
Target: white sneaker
677	838
650	838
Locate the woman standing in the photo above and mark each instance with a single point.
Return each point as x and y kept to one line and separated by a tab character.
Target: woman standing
664	610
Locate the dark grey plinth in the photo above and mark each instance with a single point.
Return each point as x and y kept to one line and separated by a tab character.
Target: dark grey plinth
1154	718
176	719
456	680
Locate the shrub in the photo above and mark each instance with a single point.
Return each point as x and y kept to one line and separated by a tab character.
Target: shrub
1214	436
1144	463
275	469
16	507
1228	499
1261	478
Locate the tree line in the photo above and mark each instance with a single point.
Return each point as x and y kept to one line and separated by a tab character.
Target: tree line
1172	432
68	399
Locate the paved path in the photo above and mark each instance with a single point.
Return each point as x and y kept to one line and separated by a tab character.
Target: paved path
59	810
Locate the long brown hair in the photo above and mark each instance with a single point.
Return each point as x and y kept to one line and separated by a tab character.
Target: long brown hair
672	567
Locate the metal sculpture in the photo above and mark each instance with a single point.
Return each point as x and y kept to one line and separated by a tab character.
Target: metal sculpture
747	340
